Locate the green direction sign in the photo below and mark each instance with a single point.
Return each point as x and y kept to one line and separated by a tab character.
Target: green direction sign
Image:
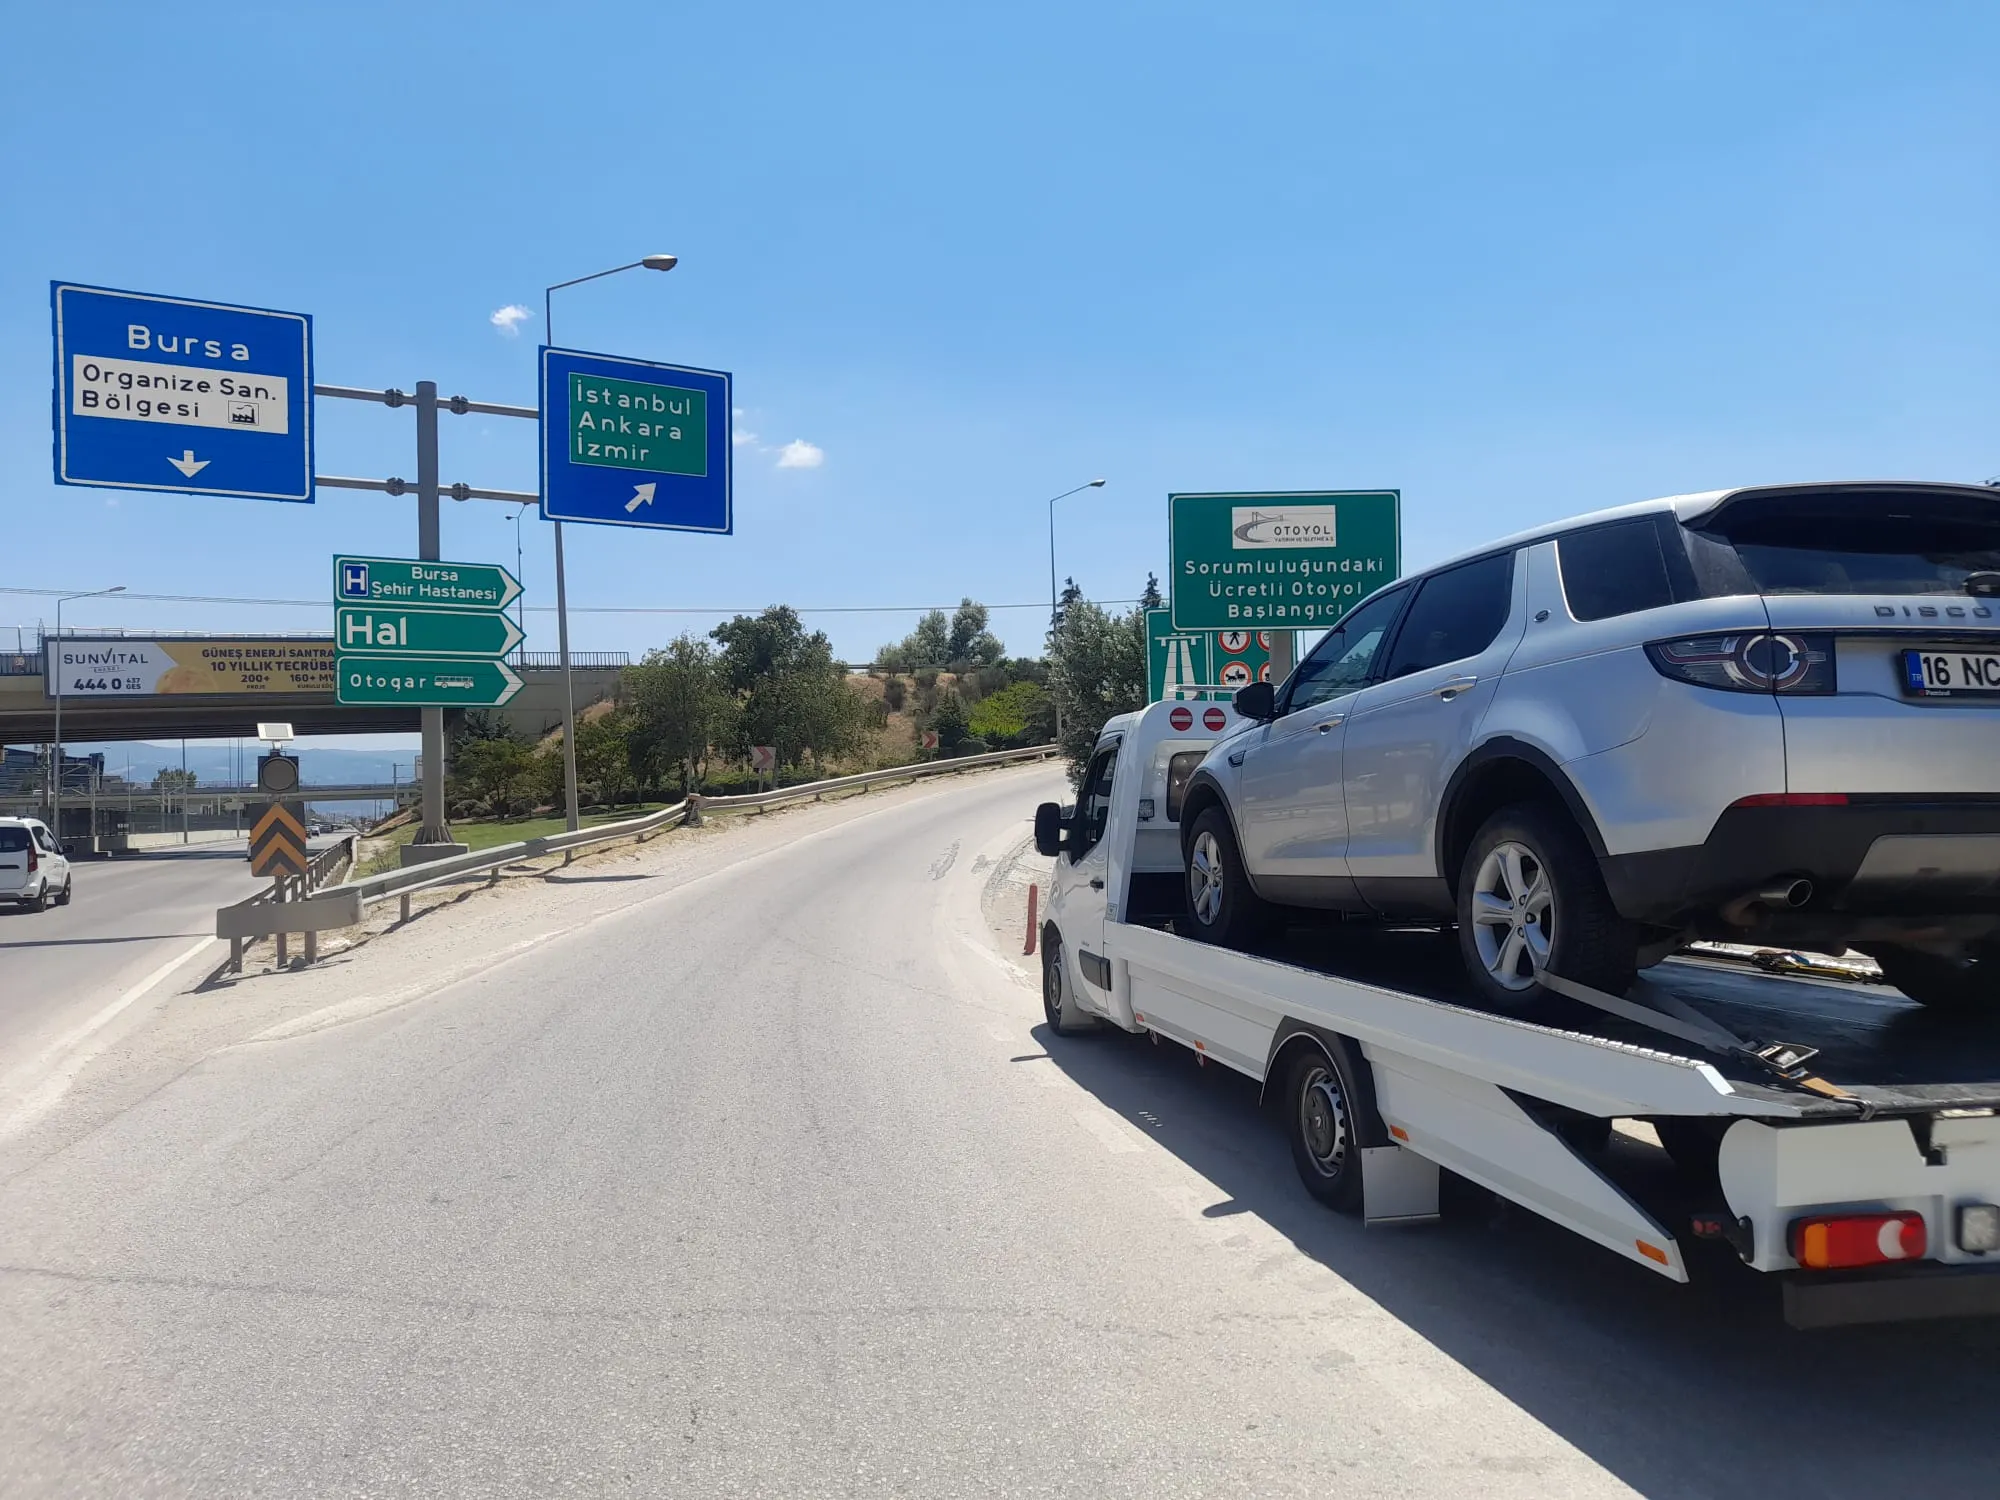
386	630
1178	662
427	682
1294	561
405	580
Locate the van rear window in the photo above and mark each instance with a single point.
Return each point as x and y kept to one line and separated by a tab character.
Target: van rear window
1860	542
13	840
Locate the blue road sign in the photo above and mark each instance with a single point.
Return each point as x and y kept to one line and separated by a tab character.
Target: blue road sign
626	442
165	393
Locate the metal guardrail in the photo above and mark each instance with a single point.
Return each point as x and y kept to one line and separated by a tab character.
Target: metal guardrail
342	906
273	911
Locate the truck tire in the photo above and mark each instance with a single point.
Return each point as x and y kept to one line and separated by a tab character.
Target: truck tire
1530	895
1322	1115
1939	983
1221	906
1058	1002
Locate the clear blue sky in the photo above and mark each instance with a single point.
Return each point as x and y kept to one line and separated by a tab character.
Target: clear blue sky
1519	261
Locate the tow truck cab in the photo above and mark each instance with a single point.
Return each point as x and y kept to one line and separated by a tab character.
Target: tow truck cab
1117	852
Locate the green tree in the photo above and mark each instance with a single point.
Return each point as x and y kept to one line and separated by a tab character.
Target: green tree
1150	597
604	746
950	722
970	643
681	709
1097	668
169	779
1011	716
792	693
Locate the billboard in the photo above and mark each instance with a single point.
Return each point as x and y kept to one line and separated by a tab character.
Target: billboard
188	666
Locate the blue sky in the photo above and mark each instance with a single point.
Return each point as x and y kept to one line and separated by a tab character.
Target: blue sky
1519	261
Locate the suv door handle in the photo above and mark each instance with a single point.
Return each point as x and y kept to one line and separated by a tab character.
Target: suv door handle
1331	722
1455	686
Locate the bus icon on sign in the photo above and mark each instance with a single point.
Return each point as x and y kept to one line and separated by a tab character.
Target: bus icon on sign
354	580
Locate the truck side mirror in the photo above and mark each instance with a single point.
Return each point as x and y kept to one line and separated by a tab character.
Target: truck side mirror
1258	702
1048	829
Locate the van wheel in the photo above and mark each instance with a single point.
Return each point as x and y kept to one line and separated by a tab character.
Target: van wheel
1321	1112
69	886
1222	908
1938	983
1058	1003
1530	897
41	899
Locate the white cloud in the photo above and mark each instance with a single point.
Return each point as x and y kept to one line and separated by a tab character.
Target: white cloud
800	454
509	319
741	438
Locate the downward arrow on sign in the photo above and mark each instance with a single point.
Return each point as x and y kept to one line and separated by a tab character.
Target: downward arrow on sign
188	464
642	494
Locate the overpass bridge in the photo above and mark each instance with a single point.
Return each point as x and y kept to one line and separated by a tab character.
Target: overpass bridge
27	709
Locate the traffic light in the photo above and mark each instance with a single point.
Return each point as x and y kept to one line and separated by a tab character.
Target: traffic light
277	775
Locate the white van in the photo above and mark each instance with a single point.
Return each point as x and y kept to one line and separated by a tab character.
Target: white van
34	870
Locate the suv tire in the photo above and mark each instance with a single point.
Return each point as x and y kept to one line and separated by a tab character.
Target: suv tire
1944	984
1221	906
1529	894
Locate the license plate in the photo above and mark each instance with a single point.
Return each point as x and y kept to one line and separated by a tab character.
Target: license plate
1945	673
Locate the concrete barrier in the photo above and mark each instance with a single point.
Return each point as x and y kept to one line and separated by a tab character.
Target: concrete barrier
136	842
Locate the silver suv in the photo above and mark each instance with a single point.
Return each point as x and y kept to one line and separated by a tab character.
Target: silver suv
1765	715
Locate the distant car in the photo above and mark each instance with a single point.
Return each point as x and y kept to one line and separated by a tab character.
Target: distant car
34	870
1766	715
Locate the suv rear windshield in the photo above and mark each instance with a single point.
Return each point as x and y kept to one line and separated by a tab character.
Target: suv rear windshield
1856	542
13	840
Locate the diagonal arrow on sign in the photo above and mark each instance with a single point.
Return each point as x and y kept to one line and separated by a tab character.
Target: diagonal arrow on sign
642	494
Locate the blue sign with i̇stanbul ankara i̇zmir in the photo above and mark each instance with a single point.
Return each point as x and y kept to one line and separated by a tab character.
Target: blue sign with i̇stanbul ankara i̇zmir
628	442
168	393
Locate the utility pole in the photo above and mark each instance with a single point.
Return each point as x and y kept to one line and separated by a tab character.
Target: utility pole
434	830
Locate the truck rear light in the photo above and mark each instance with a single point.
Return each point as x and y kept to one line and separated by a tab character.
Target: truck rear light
1834	1242
1749	661
1979	1228
1793	799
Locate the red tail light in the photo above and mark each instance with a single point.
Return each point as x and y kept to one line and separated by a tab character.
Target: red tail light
1836	1241
1793	799
34	857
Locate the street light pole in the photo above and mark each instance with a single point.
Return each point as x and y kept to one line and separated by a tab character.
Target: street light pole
572	813
1094	484
55	802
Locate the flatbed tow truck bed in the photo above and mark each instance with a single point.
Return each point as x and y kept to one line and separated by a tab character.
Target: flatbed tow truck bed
1804	1113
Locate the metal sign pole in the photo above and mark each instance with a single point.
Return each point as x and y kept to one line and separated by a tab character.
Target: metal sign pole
429	550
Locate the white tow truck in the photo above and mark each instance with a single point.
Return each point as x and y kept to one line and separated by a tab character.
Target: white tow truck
1830	1133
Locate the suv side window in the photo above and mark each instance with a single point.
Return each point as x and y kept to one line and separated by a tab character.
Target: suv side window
1617	569
1341	662
1093	802
1457	614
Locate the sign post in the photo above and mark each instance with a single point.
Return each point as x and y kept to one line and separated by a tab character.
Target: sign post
1280	561
167	393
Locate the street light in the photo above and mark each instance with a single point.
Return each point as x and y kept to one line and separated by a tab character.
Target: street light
55	804
572	814
1094	484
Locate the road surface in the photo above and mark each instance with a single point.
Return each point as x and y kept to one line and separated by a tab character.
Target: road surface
774	1184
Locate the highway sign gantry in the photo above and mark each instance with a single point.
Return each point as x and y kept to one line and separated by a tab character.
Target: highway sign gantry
628	442
428	682
169	393
405	580
278	840
1290	561
387	630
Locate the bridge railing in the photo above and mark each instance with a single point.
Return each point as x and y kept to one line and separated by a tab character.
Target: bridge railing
342	905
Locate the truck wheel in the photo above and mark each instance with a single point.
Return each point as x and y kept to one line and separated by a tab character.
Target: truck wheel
1530	897
1058	1003
1222	908
1938	983
1320	1106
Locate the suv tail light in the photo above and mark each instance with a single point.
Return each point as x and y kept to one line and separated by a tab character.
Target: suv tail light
1834	1242
1749	661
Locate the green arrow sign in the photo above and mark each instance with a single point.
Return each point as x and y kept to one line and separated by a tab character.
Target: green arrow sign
405	580
427	682
383	630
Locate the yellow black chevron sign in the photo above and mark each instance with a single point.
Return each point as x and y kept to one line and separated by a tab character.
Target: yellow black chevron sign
278	840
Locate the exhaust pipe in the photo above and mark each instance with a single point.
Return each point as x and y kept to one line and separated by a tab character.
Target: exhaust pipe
1780	895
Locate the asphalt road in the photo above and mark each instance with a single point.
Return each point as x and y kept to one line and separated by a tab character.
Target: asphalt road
127	917
774	1184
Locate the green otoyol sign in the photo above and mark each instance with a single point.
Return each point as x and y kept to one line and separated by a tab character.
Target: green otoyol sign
627	424
1294	561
